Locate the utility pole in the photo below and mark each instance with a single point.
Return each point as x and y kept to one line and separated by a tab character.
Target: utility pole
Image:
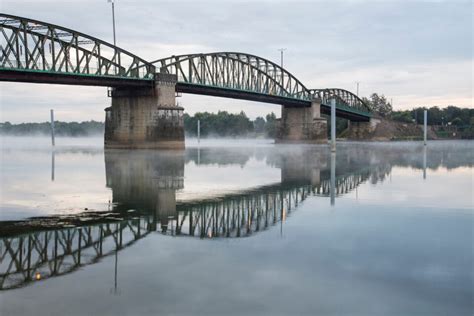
281	63
113	19
281	56
357	82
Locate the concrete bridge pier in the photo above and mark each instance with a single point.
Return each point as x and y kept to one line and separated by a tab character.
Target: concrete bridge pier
302	125
145	118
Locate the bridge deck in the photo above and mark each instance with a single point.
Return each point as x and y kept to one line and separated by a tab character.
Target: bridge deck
341	111
49	77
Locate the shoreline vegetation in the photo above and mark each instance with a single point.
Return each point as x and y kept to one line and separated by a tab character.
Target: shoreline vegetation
446	123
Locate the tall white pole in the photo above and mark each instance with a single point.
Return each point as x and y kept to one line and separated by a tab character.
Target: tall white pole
333	125
281	63
281	56
199	131
425	125
357	88
113	19
52	128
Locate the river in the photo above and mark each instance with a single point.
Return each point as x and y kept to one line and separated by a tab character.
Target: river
237	227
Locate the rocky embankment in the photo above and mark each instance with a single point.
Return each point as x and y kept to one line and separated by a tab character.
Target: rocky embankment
385	130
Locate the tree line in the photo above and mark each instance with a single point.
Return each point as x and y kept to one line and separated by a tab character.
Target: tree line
225	124
73	129
450	115
221	124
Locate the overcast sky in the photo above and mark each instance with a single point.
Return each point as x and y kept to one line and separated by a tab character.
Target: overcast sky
419	53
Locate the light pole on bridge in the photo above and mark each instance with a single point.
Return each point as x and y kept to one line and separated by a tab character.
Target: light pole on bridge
281	63
281	56
113	18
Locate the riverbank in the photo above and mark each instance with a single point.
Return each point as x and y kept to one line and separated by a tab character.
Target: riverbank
389	130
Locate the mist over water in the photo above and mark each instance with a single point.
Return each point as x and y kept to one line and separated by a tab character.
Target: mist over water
240	227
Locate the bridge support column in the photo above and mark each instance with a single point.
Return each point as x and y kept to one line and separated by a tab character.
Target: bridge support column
302	125
362	130
142	118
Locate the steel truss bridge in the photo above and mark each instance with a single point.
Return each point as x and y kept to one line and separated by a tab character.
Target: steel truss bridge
40	52
41	248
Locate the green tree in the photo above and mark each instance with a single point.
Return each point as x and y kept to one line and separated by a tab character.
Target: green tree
259	125
402	116
457	121
379	104
271	125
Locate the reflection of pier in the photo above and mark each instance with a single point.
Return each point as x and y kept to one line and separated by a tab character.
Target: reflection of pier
40	255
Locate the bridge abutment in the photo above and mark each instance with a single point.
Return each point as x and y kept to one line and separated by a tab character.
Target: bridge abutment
145	118
362	130
302	124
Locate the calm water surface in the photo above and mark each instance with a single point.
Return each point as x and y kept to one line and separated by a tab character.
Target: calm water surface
236	227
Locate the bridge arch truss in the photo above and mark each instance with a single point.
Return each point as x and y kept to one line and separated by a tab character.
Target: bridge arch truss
231	71
36	51
344	99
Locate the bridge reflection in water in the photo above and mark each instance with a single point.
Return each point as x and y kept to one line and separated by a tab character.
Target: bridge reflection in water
144	186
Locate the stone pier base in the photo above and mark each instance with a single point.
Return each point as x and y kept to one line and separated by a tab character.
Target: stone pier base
145	118
302	125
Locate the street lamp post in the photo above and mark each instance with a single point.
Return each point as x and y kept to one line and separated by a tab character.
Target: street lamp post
281	56
357	88
113	18
281	63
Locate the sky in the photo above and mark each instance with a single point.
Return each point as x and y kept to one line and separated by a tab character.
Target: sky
416	53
